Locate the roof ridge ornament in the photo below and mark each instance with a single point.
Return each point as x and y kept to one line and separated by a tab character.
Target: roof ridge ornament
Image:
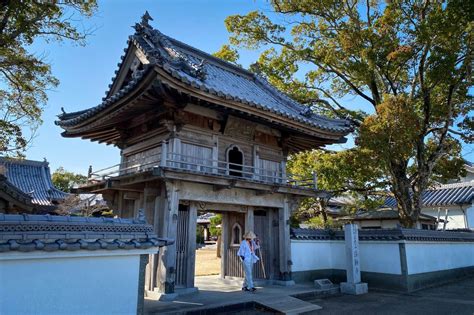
146	17
144	23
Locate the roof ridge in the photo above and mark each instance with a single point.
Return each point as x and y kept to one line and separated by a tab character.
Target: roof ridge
452	185
218	60
24	161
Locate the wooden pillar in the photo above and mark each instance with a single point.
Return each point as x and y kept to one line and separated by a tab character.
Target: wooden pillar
215	154
191	253
224	242
168	226
249	220
255	162
151	275
284	239
283	171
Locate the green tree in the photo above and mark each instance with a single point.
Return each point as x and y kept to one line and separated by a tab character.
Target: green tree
25	77
228	54
215	221
409	61
65	180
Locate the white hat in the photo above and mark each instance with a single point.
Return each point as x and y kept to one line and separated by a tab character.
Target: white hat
250	235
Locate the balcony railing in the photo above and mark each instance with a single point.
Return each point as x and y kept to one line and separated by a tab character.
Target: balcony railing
199	165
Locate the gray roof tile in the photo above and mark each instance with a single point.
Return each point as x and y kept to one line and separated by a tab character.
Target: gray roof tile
208	73
386	234
52	233
443	195
34	179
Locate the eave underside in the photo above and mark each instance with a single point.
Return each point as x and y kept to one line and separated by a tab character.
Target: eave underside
160	97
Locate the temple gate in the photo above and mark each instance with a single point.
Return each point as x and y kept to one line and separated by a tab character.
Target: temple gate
198	133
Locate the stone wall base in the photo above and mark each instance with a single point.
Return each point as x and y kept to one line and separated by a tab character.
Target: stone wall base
403	283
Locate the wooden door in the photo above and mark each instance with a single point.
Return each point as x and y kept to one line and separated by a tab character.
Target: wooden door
234	232
182	240
262	230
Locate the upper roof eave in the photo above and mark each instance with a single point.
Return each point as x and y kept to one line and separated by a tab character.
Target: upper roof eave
159	50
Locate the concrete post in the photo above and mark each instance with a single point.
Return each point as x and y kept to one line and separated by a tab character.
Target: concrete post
353	284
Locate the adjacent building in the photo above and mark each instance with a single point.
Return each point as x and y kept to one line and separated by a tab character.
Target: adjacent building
26	187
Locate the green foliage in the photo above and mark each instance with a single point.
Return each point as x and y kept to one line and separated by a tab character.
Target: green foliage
24	77
65	180
199	234
215	221
227	53
319	223
409	61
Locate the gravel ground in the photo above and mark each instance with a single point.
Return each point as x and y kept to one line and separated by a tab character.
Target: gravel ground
207	262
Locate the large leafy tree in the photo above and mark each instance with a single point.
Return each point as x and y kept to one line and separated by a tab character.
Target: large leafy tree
25	77
65	180
408	63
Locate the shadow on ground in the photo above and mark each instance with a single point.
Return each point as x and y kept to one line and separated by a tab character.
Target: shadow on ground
453	298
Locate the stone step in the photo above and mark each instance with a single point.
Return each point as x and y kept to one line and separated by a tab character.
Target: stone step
288	305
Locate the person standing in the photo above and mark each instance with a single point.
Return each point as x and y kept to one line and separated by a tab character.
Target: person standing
246	252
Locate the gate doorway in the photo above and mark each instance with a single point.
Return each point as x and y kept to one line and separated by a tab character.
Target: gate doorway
198	249
208	258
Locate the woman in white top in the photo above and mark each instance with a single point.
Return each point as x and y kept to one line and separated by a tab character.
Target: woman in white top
247	255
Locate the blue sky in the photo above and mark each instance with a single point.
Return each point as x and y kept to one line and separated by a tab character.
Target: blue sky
85	72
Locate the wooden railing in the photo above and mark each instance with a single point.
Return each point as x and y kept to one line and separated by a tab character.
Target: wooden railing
195	164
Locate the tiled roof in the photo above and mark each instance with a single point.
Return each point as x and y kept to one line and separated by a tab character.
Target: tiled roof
55	233
381	214
207	73
205	218
34	179
385	234
443	195
13	191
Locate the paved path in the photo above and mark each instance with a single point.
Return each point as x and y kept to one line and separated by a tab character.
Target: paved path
213	293
454	298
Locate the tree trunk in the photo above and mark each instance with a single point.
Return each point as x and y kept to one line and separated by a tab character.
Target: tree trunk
401	190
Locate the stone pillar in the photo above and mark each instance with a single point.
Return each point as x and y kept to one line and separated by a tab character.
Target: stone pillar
191	251
284	240
353	284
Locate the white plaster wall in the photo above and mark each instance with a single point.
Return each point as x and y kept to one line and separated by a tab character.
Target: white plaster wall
428	257
313	255
470	216
455	217
383	257
105	284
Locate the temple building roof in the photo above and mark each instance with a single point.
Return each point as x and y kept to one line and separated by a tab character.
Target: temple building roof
382	214
31	180
443	195
167	61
